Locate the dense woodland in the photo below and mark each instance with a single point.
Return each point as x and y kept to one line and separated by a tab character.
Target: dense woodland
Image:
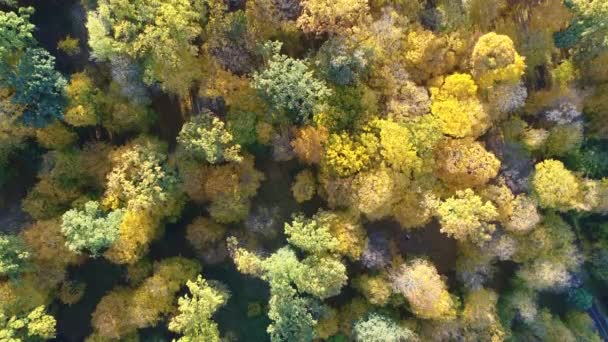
303	170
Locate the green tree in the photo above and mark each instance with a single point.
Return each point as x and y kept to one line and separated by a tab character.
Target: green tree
288	85
38	87
90	229
310	235
159	34
205	137
588	31
15	33
195	312
13	255
35	326
380	328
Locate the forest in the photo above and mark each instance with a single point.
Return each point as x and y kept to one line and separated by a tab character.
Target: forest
303	170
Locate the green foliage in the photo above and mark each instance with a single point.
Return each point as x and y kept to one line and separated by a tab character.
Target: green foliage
310	235
379	328
288	85
242	127
580	298
35	326
38	86
205	137
195	312
90	229
13	255
15	33
588	31
159	34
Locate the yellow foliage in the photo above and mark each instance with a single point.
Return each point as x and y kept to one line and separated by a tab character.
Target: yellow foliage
464	163
428	55
466	216
495	60
348	231
424	289
327	326
81	109
457	107
55	136
331	16
137	230
375	191
304	186
480	317
376	289
556	187
345	156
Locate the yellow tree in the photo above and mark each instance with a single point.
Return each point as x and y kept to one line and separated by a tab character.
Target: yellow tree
427	294
457	107
495	60
467	217
331	16
464	163
555	186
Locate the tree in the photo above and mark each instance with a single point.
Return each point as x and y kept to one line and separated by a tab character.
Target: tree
69	45
495	60
379	328
145	305
35	326
195	312
375	288
308	143
203	234
205	137
419	282
480	317
466	216
135	233
556	186
587	32
13	255
375	191
82	109
346	228
304	186
345	156
341	63
321	276
38	87
464	163
15	33
333	17
159	34
288	85
457	107
90	229
427	54
141	180
310	235
397	147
